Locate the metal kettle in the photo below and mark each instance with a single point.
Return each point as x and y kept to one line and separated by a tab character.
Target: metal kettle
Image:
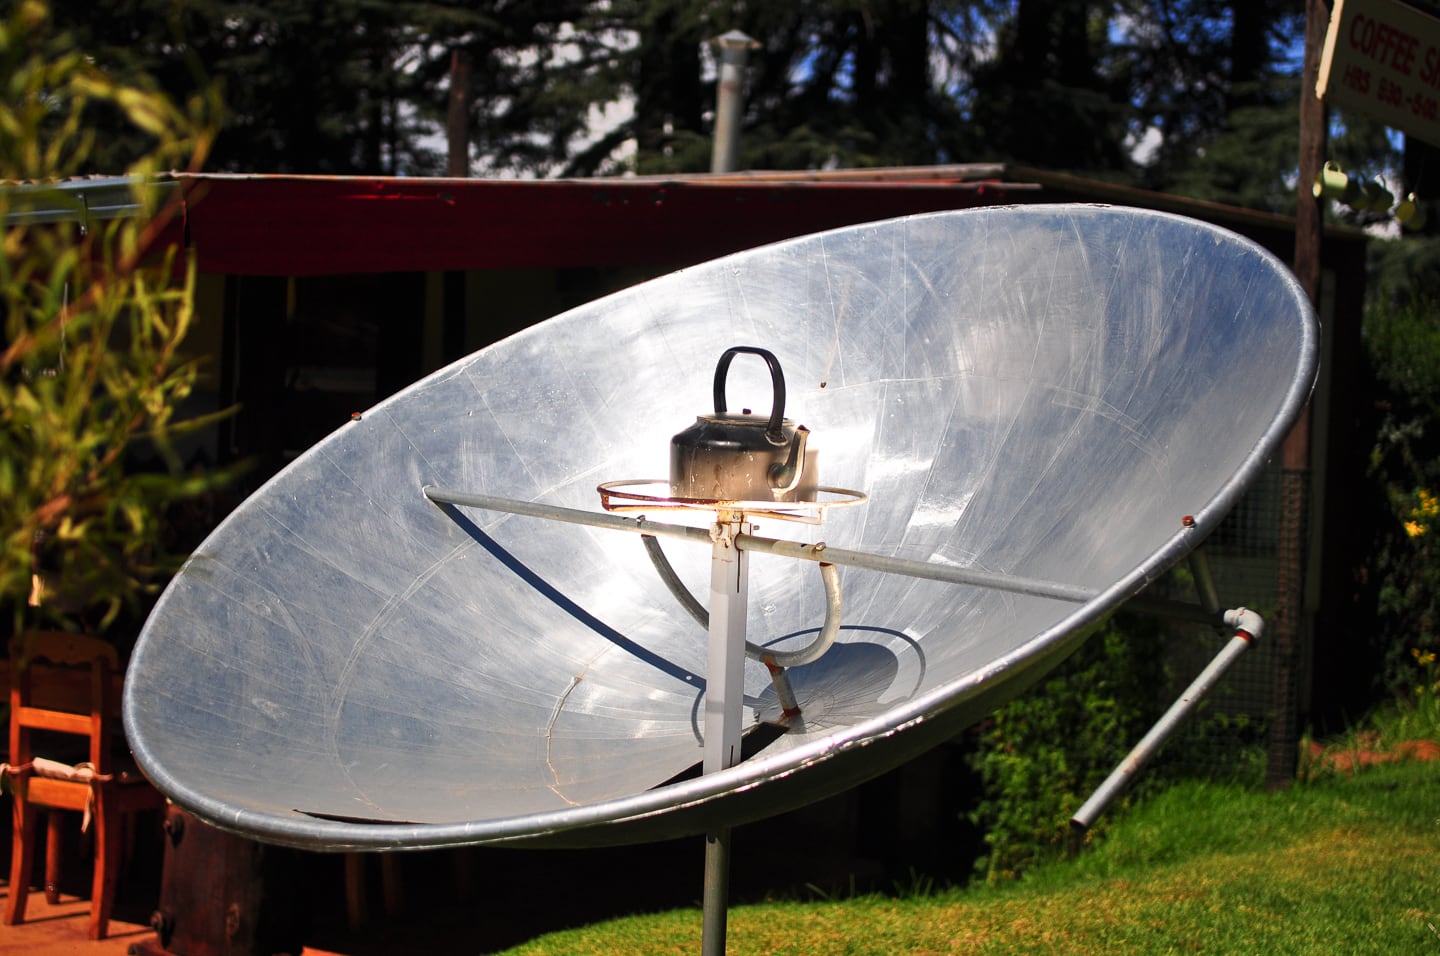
729	456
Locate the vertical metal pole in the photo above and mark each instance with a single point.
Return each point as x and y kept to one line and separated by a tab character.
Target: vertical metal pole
725	663
724	704
457	117
729	100
717	893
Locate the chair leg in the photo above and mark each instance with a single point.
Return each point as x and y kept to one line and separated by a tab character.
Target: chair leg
393	886
463	870
355	894
54	842
108	846
22	854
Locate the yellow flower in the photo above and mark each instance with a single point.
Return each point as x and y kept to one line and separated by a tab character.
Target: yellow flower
1429	506
1414	529
1423	658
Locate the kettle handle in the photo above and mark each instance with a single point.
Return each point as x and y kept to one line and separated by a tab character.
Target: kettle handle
774	433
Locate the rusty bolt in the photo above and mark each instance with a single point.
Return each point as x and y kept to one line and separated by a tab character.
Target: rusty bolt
163	923
174	827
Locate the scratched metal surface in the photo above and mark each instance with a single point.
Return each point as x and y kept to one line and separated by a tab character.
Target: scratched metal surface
1042	391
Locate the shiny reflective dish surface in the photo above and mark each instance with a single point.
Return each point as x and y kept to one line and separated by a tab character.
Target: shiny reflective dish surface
1044	392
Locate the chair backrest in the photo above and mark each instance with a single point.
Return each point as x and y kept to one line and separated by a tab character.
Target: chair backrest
62	683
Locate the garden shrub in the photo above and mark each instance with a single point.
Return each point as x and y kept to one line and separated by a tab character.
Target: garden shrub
1041	755
1401	334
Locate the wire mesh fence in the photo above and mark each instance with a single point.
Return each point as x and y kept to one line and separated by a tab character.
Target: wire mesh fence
1249	725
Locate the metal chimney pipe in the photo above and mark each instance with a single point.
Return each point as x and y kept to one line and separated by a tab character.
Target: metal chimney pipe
729	108
457	117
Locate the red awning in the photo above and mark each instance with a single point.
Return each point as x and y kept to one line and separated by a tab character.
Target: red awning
288	225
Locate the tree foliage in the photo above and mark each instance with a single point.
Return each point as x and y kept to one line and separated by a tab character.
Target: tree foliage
308	87
1050	93
1196	97
850	84
91	360
1217	83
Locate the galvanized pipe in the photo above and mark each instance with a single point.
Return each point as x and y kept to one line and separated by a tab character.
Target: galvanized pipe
1248	627
784	692
1032	587
817	648
819	553
715	903
534	509
812	652
666	570
1204	581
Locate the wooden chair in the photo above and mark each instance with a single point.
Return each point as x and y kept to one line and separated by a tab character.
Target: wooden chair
67	684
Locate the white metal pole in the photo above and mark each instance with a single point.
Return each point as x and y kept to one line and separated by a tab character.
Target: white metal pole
1248	628
724	704
725	662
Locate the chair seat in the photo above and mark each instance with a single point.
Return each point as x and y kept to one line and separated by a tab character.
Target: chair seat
64	740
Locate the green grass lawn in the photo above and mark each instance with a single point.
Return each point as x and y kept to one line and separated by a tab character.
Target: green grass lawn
1338	865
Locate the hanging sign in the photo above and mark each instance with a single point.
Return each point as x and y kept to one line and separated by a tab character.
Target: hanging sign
1382	58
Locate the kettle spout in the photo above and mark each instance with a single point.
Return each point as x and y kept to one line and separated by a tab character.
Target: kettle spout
785	476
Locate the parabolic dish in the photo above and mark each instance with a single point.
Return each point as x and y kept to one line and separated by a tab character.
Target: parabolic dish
1041	391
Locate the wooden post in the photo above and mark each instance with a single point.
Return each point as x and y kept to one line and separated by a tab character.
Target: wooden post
1312	153
1289	629
222	895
